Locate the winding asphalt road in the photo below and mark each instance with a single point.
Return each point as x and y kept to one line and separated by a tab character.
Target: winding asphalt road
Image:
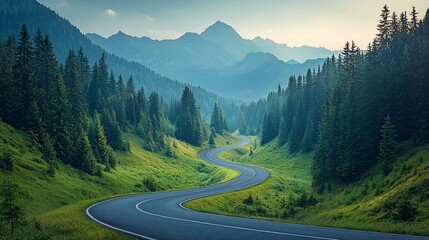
162	215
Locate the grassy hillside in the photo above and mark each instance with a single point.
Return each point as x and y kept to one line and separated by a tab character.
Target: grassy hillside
396	203
54	206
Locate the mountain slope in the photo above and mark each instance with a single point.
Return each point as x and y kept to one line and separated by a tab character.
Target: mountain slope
373	203
54	204
65	36
255	76
207	59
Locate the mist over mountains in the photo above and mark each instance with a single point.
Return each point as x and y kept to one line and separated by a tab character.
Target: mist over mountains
218	59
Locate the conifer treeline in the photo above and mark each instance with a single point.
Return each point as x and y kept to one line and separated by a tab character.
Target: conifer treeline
350	109
78	114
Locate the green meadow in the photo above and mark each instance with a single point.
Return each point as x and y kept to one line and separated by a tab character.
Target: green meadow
373	203
54	205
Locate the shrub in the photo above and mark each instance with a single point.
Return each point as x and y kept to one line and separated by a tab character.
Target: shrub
248	200
404	210
7	162
150	184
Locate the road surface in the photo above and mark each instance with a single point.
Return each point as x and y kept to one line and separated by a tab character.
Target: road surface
162	215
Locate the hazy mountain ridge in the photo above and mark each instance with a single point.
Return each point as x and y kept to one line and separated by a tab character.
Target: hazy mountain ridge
66	36
218	59
284	52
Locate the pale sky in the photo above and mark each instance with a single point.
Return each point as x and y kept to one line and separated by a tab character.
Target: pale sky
326	23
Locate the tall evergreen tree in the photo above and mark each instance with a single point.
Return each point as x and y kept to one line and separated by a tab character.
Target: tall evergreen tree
156	121
28	113
75	94
189	126
10	94
103	149
267	133
61	121
218	122
11	212
85	159
84	71
387	145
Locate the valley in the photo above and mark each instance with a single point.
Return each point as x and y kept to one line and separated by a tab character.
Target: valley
163	121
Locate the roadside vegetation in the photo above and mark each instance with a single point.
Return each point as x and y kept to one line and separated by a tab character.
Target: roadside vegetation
395	203
53	206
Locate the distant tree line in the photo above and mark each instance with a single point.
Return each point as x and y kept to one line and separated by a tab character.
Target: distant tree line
78	114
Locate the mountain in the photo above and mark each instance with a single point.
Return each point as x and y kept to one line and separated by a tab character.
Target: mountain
292	62
227	38
258	74
65	36
212	59
286	53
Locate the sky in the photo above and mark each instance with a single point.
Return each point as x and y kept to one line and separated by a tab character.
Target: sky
324	23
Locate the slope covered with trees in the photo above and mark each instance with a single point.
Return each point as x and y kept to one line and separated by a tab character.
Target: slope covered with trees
73	132
346	144
374	95
64	36
79	114
354	108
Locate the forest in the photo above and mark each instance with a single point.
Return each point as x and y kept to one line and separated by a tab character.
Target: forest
353	110
77	114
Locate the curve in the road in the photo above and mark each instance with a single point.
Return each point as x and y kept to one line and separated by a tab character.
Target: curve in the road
161	215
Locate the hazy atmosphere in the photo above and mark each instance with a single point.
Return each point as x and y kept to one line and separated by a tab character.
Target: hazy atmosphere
231	120
326	23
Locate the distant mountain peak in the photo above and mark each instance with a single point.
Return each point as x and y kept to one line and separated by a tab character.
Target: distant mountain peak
220	28
292	62
119	34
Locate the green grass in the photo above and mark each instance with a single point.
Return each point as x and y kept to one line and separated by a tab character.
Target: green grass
56	204
289	174
364	205
225	139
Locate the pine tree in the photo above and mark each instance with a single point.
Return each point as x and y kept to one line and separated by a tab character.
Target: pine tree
105	151
85	156
131	103
84	71
103	77
75	94
119	105
28	114
156	120
112	130
298	124
60	129
49	154
267	130
211	138
93	90
11	212
218	121
9	93
189	126
282	139
387	145
414	20
383	28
